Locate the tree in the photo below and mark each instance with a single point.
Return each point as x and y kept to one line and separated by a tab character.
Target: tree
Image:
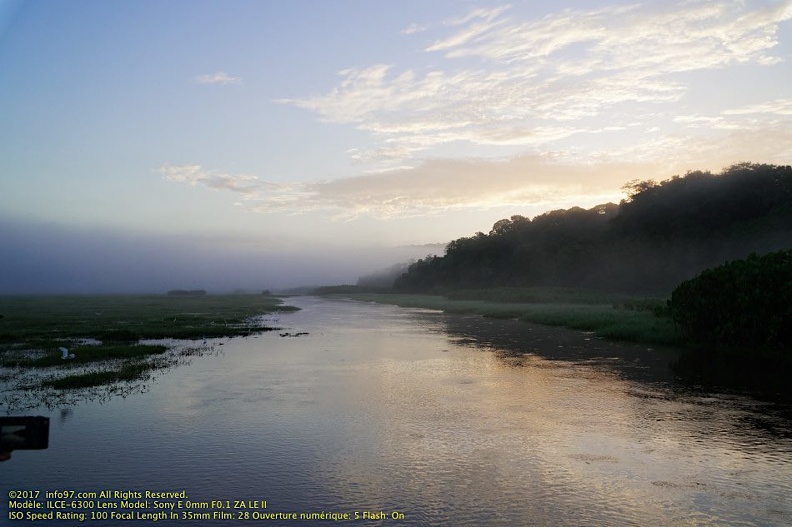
662	234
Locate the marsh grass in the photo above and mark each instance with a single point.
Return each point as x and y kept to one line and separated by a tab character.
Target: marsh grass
34	327
613	316
128	371
85	354
130	318
540	295
608	321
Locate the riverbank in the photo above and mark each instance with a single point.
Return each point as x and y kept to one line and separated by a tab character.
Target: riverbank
610	316
613	317
102	334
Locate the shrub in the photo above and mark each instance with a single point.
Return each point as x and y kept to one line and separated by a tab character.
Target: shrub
742	304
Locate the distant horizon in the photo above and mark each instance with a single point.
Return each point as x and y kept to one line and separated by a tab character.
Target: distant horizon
160	145
46	237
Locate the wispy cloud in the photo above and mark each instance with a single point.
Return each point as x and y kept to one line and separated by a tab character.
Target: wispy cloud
781	106
426	189
582	74
708	142
758	118
219	77
707	122
245	185
540	80
563	178
413	29
443	184
248	187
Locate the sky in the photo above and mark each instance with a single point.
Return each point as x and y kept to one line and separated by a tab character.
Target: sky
148	145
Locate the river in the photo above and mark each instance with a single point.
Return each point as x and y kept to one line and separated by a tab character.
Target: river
431	419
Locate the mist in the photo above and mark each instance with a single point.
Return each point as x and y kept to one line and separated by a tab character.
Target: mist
663	234
39	258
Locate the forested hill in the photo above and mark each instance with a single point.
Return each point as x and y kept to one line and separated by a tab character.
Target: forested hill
662	234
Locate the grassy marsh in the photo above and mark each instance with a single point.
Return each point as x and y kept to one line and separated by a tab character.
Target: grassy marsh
608	315
103	331
132	317
130	370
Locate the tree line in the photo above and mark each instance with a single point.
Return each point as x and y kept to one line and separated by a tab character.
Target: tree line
662	234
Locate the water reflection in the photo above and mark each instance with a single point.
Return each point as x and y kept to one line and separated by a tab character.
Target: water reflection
765	377
450	420
511	338
22	389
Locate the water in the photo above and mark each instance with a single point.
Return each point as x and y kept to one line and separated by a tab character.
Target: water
448	420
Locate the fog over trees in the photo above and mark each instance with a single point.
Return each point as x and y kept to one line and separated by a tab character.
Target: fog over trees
663	233
384	279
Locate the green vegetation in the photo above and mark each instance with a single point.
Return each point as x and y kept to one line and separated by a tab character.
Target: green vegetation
193	292
745	304
103	331
346	290
41	319
129	371
542	295
608	315
88	354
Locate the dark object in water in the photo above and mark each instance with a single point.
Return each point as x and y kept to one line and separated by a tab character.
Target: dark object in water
24	433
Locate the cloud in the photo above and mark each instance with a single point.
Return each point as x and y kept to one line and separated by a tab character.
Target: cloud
600	87
565	178
540	81
247	186
760	132
219	77
413	29
477	13
686	36
777	107
707	122
443	184
279	196
431	187
472	31
709	143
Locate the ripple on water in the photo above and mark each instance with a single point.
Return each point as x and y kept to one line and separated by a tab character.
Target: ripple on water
368	413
